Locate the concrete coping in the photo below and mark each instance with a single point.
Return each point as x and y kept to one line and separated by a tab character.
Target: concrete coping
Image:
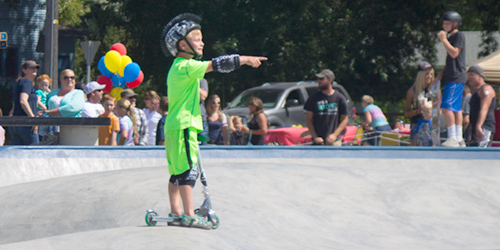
53	121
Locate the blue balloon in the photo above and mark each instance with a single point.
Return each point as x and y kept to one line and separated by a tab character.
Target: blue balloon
103	69
131	72
115	80
123	82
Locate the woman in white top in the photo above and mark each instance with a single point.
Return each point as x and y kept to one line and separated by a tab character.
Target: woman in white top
152	101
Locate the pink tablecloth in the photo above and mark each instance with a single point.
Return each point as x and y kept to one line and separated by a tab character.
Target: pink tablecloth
284	136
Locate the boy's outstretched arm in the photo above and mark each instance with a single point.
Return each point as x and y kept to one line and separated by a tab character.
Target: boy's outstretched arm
228	63
253	61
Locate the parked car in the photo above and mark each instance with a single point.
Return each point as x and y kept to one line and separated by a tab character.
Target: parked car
283	102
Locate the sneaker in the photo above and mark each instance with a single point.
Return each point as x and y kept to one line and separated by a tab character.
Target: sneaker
450	142
196	222
176	220
461	143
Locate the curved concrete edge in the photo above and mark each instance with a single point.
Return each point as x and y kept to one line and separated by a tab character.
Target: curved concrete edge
254	152
33	163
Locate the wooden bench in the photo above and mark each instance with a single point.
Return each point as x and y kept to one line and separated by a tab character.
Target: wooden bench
73	130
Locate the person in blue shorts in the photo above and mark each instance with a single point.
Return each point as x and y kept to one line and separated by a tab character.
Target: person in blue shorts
453	76
182	38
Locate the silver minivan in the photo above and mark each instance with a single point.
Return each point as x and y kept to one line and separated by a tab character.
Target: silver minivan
283	102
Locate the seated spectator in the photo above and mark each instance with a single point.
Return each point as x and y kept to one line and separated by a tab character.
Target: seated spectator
375	121
108	134
237	136
93	107
160	134
217	122
152	101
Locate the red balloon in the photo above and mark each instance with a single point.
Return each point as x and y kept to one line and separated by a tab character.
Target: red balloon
120	48
104	80
137	81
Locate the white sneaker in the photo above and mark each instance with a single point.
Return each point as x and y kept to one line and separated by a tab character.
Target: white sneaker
461	143
450	142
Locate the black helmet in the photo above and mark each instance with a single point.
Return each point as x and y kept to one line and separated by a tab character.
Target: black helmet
177	29
452	16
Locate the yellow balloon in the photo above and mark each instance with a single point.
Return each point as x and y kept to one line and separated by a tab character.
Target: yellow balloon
125	61
113	61
115	92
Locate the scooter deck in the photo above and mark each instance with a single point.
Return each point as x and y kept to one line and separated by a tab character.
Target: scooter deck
164	219
152	218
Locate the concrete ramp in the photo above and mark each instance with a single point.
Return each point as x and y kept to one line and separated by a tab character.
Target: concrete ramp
332	202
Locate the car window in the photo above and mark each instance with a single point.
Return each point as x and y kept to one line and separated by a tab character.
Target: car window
269	98
295	94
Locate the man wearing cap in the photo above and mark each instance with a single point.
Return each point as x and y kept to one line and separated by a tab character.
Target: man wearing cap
93	107
326	112
140	117
482	108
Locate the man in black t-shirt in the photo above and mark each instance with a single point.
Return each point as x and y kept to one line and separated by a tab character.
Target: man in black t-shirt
326	112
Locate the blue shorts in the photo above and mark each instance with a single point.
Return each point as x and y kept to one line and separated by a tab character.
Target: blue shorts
452	96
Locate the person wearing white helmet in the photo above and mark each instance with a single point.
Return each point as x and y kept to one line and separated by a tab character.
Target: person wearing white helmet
453	76
182	38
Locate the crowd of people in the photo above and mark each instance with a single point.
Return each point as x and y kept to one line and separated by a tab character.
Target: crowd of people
468	109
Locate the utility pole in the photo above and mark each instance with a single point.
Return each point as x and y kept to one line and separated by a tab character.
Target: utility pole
51	49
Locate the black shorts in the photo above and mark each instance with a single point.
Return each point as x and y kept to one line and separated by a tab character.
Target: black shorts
187	178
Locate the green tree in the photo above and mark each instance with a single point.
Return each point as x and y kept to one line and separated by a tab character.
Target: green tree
371	45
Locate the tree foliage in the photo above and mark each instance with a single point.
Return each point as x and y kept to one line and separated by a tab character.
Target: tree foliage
372	46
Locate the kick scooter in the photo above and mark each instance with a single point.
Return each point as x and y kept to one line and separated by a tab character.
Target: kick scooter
205	210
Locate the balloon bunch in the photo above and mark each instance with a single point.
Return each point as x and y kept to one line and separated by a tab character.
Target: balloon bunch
118	71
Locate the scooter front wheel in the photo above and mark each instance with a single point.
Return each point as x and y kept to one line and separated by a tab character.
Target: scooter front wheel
215	221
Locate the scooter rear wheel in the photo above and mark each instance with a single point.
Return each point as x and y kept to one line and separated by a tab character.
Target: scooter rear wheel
149	218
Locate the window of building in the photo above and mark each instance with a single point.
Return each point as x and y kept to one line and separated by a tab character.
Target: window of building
8	62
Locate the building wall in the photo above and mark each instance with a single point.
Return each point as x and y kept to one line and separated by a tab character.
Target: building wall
23	22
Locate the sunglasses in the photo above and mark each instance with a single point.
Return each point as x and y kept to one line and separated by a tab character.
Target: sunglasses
321	78
251	103
216	102
69	77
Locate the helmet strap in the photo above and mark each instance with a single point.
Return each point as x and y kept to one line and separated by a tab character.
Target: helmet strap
454	27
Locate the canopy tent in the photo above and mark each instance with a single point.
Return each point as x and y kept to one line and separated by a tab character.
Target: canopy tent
491	67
